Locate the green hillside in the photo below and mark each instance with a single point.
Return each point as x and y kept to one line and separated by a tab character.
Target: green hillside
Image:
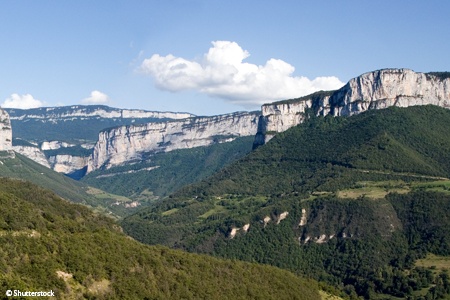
164	173
371	189
14	165
47	243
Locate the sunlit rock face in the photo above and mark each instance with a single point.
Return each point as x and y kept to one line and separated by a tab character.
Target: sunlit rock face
33	153
374	90
127	143
67	164
5	131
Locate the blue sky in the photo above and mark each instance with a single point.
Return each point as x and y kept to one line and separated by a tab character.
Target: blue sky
206	56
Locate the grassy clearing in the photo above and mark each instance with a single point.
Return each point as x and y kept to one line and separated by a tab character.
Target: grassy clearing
372	192
379	189
442	186
102	195
170	211
144	196
326	296
435	262
215	210
315	195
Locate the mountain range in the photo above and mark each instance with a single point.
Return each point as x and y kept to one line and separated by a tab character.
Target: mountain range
349	188
114	137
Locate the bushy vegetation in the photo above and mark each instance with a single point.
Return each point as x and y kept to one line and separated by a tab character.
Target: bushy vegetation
439	75
365	246
313	97
47	243
74	151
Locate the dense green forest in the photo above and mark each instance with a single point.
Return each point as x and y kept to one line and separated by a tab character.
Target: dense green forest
51	244
372	189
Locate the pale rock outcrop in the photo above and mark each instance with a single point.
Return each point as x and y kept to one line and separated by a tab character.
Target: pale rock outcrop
33	153
266	220
64	163
132	204
127	143
54	145
233	232
303	218
282	216
321	239
374	90
5	131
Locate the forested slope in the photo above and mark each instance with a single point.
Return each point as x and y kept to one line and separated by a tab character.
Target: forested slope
50	244
350	201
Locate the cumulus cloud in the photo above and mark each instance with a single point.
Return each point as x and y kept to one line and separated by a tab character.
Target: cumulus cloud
21	101
223	73
96	97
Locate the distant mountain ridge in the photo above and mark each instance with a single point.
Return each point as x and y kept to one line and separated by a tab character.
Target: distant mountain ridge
52	114
45	121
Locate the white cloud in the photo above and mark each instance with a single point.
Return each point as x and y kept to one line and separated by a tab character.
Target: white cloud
223	73
96	97
22	101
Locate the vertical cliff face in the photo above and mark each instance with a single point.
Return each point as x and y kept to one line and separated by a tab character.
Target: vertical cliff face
390	87
33	153
374	90
67	164
5	131
127	143
282	115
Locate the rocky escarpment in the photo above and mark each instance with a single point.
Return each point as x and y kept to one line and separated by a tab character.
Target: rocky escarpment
5	131
127	143
374	90
33	153
56	136
67	164
59	156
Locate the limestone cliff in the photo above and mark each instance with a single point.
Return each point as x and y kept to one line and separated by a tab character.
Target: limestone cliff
5	131
67	164
33	153
56	136
374	90
127	143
